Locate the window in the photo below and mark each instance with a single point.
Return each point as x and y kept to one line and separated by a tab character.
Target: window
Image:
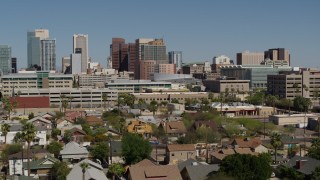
172	154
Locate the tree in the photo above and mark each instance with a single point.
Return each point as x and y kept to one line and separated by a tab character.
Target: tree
116	170
60	170
29	133
54	148
54	133
275	143
5	128
125	98
65	105
100	151
31	116
8	105
70	100
316	173
285	172
135	148
84	166
301	104
10	149
67	136
153	107
58	115
314	150
247	167
62	98
272	100
104	99
176	101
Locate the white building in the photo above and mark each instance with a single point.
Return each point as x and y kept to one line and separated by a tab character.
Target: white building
76	63
222	59
80	46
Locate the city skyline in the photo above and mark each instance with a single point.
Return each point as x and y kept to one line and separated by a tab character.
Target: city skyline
201	30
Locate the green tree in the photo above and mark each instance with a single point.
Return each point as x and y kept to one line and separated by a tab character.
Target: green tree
135	148
67	136
104	99
176	101
54	133
275	143
8	105
31	116
127	99
316	174
271	101
54	148
314	150
301	104
247	167
5	128
288	173
70	101
153	107
84	166
116	170
57	115
60	170
100	151
29	133
10	149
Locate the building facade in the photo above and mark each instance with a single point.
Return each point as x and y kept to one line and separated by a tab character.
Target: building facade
169	96
250	58
221	85
136	86
14	65
218	61
34	45
80	46
175	57
277	54
48	54
5	59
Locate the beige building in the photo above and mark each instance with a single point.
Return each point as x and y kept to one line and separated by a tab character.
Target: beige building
34	80
306	84
221	85
165	68
179	152
300	120
250	58
169	96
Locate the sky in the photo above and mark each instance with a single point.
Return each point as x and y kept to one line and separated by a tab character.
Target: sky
200	29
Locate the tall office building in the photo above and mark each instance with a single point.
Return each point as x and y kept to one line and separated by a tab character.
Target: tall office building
132	56
277	54
250	58
5	59
48	54
119	54
80	46
175	57
14	65
66	63
152	51
34	45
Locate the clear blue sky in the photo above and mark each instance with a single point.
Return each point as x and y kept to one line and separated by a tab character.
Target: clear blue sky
201	29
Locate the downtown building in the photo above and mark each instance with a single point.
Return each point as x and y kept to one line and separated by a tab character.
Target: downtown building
80	55
5	59
41	50
175	57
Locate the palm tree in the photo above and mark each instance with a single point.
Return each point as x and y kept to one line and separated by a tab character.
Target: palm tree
153	107
104	99
62	97
272	100
275	143
5	128
65	105
70	100
84	166
29	133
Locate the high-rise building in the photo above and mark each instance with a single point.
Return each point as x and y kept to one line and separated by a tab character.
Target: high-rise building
149	51
48	54
5	59
219	61
34	45
119	54
132	56
65	62
14	65
175	57
277	54
250	58
75	66
80	46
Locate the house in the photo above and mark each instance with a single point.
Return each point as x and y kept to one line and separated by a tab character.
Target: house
208	124
173	128
94	120
73	152
255	144
63	123
77	134
304	165
148	119
72	116
16	162
217	156
116	147
41	122
113	133
145	170
179	152
47	115
93	172
139	127
69	127
40	168
197	171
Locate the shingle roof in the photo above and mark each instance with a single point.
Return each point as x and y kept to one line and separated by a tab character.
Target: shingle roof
201	171
19	155
94	172
93	120
309	165
145	162
155	172
243	151
41	163
73	148
40	119
185	163
116	147
181	147
174	127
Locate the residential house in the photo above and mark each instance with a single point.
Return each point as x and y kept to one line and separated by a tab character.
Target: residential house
93	172
197	171
63	123
16	162
115	151
41	122
218	155
254	144
145	170
94	121
179	152
73	115
173	128
41	168
305	165
113	133
47	115
77	134
73	152
208	124
148	119
139	127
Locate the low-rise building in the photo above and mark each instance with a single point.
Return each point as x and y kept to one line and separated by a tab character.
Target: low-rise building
140	127
94	171
173	128
220	85
135	86
299	120
169	96
179	152
73	152
41	168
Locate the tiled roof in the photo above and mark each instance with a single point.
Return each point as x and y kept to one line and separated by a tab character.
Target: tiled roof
32	102
227	151
181	147
40	119
93	120
155	172
174	127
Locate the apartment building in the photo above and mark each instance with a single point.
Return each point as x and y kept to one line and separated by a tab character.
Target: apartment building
221	85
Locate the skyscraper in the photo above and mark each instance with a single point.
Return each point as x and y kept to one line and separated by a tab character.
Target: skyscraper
48	54
132	56
80	46
5	59
14	65
119	54
175	57
34	45
250	58
277	54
